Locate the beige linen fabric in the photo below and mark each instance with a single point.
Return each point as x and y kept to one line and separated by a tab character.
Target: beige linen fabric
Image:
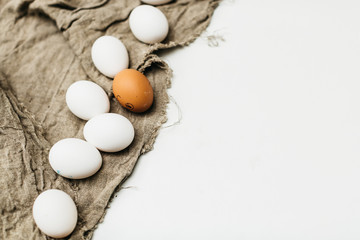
45	47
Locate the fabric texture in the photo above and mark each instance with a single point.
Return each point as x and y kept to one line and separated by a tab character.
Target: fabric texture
44	47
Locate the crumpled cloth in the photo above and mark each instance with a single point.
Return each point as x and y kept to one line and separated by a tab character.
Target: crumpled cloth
45	47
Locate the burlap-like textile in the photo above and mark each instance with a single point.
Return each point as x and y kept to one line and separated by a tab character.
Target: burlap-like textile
45	47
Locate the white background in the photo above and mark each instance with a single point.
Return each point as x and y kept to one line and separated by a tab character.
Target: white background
269	142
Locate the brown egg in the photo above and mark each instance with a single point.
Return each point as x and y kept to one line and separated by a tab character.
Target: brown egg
133	90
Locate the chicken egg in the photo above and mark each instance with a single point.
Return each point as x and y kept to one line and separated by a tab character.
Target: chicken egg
86	99
109	55
148	24
133	90
74	158
55	213
109	132
156	2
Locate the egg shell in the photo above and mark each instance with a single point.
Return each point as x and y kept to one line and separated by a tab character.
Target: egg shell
156	2
74	158
148	24
109	55
86	99
55	213
133	90
109	132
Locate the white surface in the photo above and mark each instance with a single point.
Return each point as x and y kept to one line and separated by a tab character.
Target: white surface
148	24
109	55
86	99
109	132
74	158
269	144
55	213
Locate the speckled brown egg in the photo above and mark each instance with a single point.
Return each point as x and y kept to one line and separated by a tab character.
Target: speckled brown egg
133	90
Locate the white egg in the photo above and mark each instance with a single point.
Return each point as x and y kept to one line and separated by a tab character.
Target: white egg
156	2
109	132
148	24
109	55
86	99
74	158
55	213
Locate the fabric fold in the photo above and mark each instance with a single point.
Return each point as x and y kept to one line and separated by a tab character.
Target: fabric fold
44	47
